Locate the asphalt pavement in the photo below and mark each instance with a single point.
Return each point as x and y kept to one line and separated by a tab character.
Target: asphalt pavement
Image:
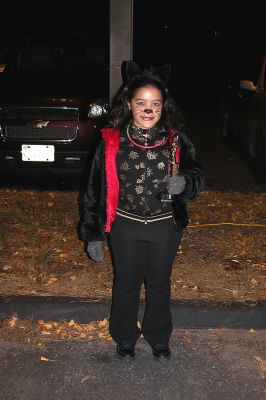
209	364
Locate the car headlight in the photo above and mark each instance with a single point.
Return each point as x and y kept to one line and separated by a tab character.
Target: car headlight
97	110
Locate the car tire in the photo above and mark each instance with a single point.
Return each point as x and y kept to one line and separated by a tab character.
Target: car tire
260	156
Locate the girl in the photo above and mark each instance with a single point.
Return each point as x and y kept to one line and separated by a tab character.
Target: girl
125	203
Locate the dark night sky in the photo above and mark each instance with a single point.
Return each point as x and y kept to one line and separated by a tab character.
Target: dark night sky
202	42
199	40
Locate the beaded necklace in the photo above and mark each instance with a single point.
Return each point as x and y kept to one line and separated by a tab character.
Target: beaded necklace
140	145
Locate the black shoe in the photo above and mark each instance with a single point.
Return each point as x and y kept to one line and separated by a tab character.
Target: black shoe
161	351
125	350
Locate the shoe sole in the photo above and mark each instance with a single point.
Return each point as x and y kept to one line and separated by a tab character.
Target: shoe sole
160	356
125	355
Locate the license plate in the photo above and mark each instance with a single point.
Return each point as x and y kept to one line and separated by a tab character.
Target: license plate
37	152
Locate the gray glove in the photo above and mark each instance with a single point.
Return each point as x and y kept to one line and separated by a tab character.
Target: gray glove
175	184
95	251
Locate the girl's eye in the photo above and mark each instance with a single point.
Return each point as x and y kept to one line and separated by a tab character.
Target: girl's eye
140	103
157	104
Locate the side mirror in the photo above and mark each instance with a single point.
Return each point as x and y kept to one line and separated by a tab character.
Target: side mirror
248	85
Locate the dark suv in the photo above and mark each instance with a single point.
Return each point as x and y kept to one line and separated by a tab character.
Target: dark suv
53	99
243	109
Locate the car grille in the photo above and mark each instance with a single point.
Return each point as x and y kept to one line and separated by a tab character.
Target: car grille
39	134
39	113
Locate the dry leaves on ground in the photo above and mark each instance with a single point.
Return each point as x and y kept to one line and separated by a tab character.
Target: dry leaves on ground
40	253
38	331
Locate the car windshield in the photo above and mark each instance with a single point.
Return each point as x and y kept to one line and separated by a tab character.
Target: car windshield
53	54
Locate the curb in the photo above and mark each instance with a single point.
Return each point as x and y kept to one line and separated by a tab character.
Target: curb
190	314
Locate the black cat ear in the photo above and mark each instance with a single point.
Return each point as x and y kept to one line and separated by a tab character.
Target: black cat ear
132	70
164	72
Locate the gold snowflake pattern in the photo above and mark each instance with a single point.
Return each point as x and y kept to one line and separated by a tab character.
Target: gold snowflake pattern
133	155
124	166
142	178
152	155
140	165
139	189
161	165
149	171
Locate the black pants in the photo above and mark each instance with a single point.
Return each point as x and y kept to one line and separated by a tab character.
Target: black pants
142	253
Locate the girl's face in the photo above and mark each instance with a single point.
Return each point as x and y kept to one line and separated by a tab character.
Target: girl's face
146	107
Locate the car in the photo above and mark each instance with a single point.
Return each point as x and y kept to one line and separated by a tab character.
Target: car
53	100
243	111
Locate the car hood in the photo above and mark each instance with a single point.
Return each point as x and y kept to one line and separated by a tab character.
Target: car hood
52	88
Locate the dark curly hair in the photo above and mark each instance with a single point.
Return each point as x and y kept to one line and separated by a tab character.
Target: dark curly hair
120	115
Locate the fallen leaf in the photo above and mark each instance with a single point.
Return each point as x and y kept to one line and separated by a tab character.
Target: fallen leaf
86	378
103	323
51	280
47	326
13	321
261	362
45	359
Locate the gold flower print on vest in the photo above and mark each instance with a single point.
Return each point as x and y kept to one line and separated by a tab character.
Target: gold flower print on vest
133	155
149	172
139	189
152	155
156	183
124	166
161	165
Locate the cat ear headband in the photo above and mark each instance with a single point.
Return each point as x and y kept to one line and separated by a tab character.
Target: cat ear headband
160	74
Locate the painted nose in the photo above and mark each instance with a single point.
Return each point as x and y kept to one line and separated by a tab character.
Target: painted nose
148	111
